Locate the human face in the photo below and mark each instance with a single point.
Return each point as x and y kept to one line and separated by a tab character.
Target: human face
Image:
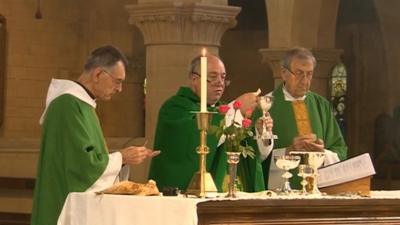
109	81
298	77
216	76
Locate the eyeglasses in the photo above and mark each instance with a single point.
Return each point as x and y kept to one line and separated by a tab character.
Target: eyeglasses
116	81
301	74
214	78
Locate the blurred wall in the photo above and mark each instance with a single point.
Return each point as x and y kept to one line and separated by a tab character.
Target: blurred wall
56	47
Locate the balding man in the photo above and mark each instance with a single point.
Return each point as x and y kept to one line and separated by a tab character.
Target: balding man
177	134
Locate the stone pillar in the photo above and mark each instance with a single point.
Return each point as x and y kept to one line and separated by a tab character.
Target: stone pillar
310	24
273	58
174	33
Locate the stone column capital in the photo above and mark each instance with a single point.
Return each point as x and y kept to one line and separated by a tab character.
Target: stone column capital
326	60
273	57
182	23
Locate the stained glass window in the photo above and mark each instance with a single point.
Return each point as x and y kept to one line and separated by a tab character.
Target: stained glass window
338	86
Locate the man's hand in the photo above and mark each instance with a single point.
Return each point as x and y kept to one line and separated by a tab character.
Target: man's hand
317	146
135	155
249	102
308	143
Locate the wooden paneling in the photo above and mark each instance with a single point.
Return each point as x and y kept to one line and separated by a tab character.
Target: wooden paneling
263	212
14	219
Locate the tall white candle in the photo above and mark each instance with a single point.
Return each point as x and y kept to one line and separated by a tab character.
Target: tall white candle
203	82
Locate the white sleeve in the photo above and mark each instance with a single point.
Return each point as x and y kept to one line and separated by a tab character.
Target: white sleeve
124	173
228	120
110	174
264	147
330	157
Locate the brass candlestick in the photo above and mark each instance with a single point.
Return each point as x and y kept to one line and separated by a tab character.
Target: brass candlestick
202	182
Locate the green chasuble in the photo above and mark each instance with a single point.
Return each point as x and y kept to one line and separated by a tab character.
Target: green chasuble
323	124
177	136
73	156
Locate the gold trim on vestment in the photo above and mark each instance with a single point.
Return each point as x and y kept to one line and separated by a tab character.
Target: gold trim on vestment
301	117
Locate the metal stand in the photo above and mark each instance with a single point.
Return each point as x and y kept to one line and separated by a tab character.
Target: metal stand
202	182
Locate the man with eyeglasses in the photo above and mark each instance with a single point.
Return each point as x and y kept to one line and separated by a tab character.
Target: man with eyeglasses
303	120
73	153
177	134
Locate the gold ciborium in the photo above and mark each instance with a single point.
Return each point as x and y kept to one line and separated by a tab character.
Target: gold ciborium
314	160
202	181
305	172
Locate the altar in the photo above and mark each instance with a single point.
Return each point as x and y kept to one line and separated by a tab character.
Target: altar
382	207
300	211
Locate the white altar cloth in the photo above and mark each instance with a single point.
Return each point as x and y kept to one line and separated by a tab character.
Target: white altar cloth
92	209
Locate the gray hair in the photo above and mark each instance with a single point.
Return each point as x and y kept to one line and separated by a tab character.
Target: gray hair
194	67
105	56
297	53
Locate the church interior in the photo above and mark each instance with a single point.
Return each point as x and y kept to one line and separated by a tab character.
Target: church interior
355	43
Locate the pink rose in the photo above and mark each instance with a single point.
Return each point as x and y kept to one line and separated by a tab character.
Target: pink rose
246	123
223	109
237	104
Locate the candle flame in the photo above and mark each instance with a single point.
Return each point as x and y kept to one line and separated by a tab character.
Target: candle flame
203	52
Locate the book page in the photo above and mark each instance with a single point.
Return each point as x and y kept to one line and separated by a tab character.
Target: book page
351	169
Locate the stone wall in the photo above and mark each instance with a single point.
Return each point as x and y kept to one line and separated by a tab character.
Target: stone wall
55	47
239	50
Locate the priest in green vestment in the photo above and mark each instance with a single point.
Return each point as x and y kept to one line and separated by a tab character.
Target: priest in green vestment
177	134
73	153
303	120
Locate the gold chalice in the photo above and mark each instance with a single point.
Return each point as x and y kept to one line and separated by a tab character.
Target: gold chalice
315	160
305	171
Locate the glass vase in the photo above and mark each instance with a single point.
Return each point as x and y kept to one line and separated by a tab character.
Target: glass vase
233	159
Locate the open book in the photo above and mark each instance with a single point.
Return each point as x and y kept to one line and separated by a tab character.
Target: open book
348	170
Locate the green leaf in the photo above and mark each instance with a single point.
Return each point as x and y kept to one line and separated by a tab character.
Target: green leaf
237	123
251	155
213	129
241	149
249	151
218	133
236	137
230	130
222	123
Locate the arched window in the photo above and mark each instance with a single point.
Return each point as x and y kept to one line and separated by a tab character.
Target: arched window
338	85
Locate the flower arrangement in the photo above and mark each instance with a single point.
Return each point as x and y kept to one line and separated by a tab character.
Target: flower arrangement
236	133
